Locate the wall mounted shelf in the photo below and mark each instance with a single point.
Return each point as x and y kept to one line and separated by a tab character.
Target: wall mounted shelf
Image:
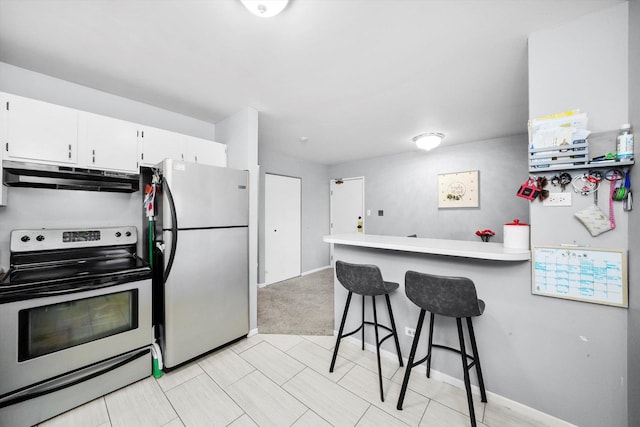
590	165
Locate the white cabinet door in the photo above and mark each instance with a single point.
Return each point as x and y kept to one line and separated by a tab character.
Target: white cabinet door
110	144
160	144
206	152
39	131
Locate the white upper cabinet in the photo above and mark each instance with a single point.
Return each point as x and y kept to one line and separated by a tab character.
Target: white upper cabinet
36	131
159	144
206	152
108	143
39	131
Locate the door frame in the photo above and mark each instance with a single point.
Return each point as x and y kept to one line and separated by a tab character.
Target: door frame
266	255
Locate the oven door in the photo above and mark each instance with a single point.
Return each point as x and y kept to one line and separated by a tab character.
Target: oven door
46	337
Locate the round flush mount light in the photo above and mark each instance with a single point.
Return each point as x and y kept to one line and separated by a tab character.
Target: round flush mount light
265	8
428	141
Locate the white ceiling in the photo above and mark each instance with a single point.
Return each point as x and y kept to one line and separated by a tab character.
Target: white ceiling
359	78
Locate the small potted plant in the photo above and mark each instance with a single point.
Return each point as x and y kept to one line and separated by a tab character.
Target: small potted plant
485	235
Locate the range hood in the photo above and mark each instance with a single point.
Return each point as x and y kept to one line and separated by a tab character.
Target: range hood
19	174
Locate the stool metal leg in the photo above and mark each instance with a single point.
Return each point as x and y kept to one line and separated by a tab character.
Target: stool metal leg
393	329
375	327
476	359
432	319
410	364
344	318
467	381
362	322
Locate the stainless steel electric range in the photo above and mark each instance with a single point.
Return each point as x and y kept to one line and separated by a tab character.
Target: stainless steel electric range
75	320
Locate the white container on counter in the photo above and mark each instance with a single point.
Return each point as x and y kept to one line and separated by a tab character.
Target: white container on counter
516	235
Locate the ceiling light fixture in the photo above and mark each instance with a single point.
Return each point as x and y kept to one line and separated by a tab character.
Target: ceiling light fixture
428	141
265	8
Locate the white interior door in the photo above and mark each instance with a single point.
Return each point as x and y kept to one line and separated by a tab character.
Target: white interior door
347	205
282	227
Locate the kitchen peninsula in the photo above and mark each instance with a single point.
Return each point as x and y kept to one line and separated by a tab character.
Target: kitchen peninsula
510	345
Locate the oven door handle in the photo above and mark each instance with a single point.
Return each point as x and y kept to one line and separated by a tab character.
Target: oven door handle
50	291
173	230
69	380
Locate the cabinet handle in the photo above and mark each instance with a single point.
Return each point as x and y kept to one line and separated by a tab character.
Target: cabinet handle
94	156
69	151
196	159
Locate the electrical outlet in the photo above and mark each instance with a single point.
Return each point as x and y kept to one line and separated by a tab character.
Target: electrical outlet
410	332
558	199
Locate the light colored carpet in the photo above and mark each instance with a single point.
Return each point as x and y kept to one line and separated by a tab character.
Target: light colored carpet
298	306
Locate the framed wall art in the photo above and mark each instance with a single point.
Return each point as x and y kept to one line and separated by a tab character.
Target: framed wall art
458	190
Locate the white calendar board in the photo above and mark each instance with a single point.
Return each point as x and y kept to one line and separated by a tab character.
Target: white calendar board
584	274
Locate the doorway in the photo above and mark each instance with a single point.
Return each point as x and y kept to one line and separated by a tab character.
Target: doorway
283	210
346	206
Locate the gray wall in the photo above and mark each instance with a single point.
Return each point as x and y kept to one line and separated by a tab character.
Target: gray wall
35	208
601	90
405	187
582	64
633	344
315	206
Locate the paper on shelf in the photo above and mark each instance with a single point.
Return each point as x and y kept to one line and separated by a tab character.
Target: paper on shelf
558	129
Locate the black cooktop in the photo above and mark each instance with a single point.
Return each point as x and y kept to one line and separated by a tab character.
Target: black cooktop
38	274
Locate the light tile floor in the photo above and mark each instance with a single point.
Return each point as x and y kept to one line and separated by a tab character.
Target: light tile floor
284	380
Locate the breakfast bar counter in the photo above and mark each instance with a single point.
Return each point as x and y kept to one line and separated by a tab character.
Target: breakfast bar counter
457	248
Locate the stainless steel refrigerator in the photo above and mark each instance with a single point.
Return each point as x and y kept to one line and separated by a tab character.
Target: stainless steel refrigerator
202	222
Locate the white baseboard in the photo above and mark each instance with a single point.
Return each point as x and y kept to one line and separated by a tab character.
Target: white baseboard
252	332
496	398
315	270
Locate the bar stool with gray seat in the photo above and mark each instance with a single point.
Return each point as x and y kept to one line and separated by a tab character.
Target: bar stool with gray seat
366	280
449	297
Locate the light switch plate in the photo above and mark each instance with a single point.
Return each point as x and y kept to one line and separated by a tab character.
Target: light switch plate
558	199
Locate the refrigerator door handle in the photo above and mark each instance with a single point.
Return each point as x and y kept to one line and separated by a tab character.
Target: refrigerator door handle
173	230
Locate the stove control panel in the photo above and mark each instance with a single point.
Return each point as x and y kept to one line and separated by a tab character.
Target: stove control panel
48	239
83	236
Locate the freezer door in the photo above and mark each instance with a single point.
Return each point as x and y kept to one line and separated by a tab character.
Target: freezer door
206	293
205	196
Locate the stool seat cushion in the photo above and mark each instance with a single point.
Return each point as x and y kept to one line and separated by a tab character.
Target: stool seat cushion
443	295
363	279
391	286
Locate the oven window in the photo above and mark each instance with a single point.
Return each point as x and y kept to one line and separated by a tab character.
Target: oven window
50	328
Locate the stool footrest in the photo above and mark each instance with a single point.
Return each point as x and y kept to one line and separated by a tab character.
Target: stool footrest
351	333
382	340
455	350
372	324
